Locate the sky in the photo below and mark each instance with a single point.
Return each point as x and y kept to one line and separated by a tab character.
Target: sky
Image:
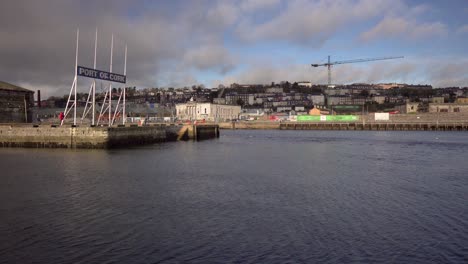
185	43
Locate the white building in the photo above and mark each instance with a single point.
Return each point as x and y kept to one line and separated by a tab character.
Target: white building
305	84
207	111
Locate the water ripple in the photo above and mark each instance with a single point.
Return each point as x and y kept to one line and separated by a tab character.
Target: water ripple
249	197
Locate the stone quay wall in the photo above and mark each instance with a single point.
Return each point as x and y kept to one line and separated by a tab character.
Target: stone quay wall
193	132
79	137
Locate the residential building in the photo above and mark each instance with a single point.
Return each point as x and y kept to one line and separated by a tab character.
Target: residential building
299	108
244	99
317	99
283	108
219	100
274	90
339	99
380	99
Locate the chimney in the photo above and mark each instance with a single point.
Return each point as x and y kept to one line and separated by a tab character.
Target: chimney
39	98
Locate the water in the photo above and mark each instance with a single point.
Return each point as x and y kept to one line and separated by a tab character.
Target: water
247	197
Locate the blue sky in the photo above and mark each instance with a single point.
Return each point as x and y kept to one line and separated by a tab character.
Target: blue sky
182	43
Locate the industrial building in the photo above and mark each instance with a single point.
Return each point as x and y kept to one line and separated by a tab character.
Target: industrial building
207	111
15	104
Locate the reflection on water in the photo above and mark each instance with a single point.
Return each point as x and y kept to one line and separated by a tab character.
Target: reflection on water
249	196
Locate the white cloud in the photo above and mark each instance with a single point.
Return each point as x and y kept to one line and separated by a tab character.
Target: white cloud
210	57
253	5
311	22
463	29
391	27
447	72
223	14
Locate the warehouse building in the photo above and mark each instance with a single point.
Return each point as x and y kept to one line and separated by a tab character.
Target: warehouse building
15	104
448	108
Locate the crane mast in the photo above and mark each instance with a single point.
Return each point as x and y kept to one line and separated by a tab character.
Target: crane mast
329	63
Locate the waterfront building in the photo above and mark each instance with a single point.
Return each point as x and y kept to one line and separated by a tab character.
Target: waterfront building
207	111
448	108
462	100
408	108
15	104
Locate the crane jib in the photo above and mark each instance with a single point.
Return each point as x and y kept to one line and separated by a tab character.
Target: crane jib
329	64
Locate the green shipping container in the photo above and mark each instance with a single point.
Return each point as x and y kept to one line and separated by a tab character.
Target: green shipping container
336	118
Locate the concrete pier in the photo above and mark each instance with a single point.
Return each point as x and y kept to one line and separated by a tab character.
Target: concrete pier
79	137
421	126
193	132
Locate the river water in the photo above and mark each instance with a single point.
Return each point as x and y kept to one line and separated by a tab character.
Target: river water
247	197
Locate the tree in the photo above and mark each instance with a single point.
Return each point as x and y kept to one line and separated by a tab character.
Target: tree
295	85
240	102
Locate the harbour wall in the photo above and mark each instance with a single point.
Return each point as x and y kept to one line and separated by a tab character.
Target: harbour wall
438	126
425	121
79	137
376	126
24	135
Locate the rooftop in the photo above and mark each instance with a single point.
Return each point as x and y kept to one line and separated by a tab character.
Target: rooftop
11	87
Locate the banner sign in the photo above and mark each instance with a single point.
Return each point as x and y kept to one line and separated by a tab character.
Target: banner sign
101	75
342	118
